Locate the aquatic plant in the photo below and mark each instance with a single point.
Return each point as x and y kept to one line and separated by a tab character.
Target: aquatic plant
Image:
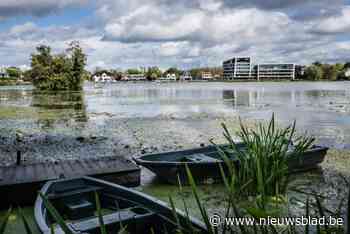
233	210
262	174
261	167
25	221
5	221
55	215
60	221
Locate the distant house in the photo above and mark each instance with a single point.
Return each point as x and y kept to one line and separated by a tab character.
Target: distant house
186	76
169	77
347	72
133	77
102	78
207	76
3	73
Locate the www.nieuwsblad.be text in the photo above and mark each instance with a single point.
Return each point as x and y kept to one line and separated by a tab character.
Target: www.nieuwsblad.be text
216	220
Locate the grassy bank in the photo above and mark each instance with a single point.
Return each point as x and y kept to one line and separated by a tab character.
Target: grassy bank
9	82
213	196
313	192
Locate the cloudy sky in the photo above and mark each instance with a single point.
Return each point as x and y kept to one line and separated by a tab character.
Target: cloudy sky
183	33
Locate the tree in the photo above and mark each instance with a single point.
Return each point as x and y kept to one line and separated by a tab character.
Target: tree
330	72
195	73
317	63
64	71
40	65
117	74
153	73
78	60
347	65
314	72
14	72
27	75
132	71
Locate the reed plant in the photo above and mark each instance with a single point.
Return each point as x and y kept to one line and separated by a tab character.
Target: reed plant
260	167
313	208
260	172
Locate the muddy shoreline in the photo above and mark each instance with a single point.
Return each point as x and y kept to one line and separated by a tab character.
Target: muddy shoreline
129	121
118	137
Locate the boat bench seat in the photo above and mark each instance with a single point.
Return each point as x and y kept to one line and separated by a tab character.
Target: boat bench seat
198	158
79	208
121	216
72	192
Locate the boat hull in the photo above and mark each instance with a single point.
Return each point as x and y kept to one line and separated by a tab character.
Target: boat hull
174	172
74	199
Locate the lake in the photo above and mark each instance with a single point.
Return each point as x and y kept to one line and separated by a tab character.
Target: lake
320	108
130	119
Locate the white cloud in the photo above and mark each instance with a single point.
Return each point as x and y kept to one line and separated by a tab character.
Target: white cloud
149	23
28	27
335	24
12	8
185	33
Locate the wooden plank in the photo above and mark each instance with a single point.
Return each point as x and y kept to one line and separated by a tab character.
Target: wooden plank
18	174
23	174
38	169
28	179
12	173
76	167
54	170
50	171
46	171
83	165
68	173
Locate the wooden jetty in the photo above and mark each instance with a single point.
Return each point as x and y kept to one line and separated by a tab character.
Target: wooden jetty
19	184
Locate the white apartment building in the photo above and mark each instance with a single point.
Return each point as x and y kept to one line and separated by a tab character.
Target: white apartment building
237	68
275	71
242	68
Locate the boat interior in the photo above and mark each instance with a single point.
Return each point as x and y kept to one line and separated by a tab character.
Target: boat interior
207	154
75	201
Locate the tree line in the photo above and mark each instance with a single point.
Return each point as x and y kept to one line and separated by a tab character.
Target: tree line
66	70
154	72
319	71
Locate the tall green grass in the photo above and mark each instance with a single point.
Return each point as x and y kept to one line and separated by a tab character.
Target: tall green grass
262	174
261	167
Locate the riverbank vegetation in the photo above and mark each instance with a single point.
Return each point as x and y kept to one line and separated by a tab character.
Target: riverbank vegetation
314	72
63	71
319	71
266	150
263	163
262	179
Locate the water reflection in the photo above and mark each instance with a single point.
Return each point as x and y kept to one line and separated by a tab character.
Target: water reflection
19	97
58	100
321	108
47	110
67	106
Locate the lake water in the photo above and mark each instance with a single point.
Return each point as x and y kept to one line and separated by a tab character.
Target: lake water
129	118
321	108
